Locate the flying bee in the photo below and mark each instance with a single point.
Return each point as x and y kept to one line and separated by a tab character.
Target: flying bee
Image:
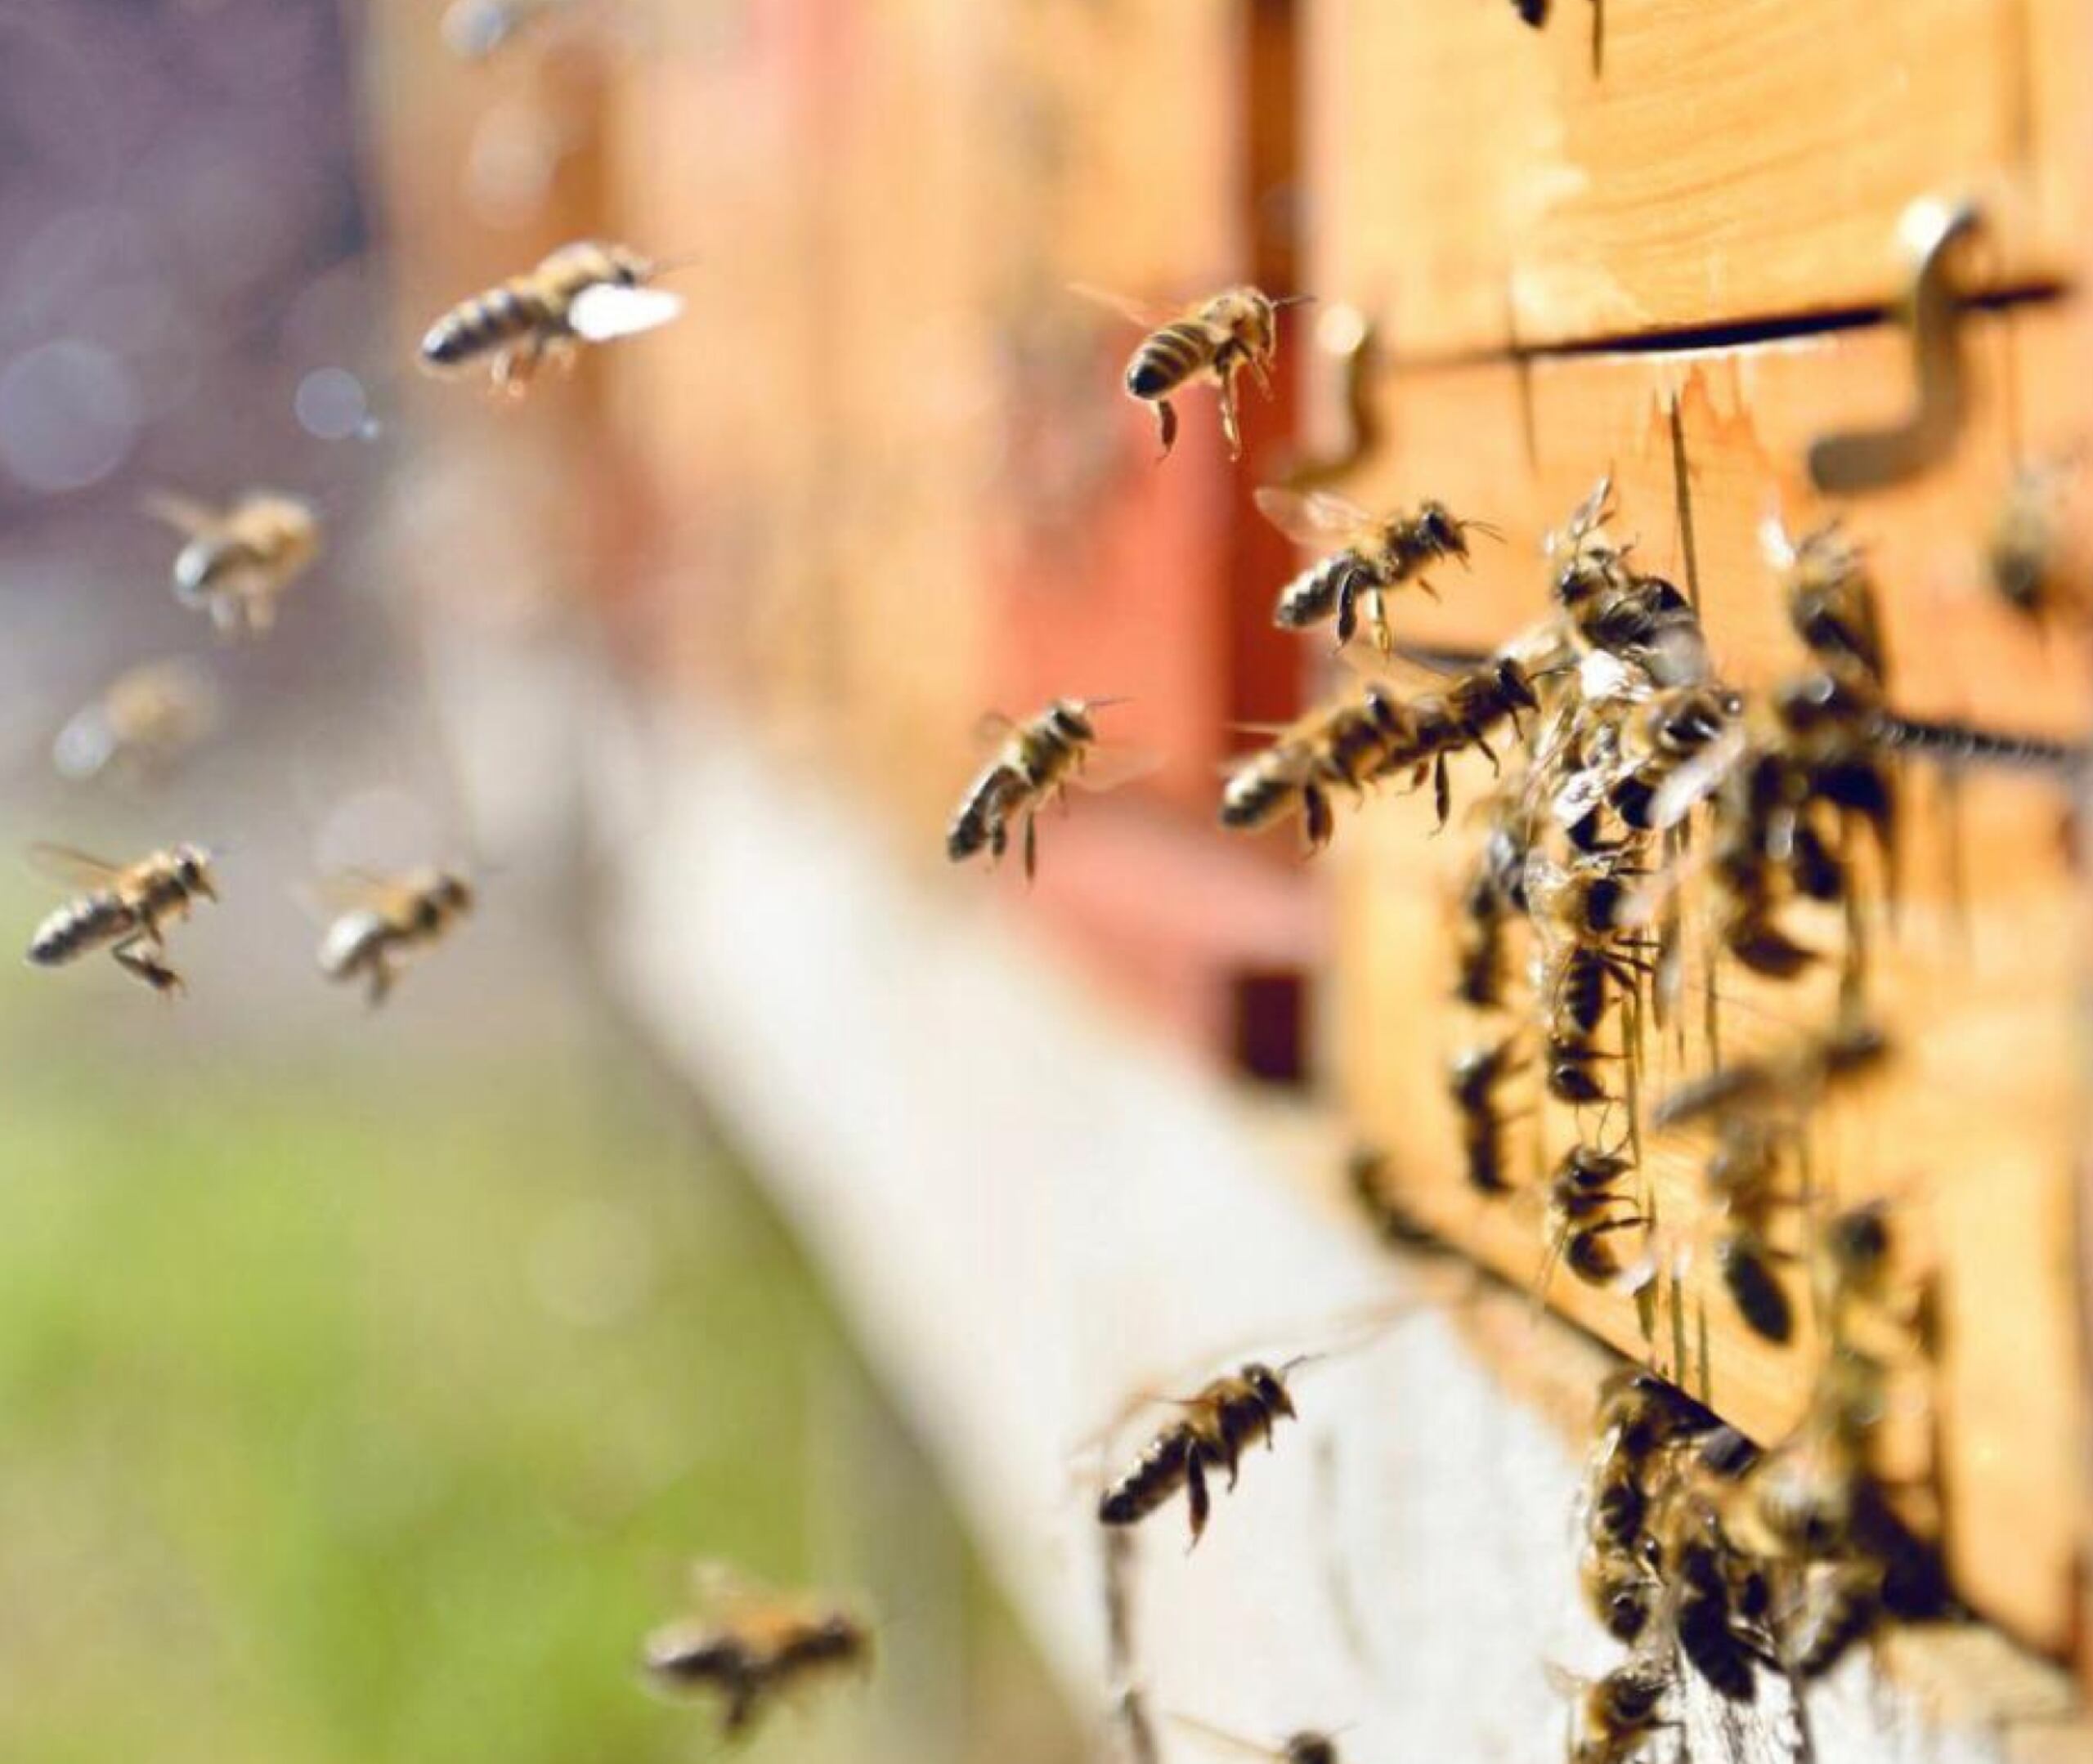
751	1645
1831	597
1232	1411
238	561
1308	1746
122	908
1465	713
1782	1086
1474	1080
142	724
588	292
1037	762
2028	554
1340	744
1375	556
384	920
1216	340
1616	1716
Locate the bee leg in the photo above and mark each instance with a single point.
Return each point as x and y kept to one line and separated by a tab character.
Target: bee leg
1483	748
1231	428
1261	372
1318	821
1427	587
1196	1496
1442	792
1347	613
1031	845
381	982
1166	426
741	1704
140	954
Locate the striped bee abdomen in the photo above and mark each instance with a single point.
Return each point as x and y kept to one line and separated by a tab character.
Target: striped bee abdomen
1256	794
1160	1475
979	821
78	926
1167	358
1321	590
486	322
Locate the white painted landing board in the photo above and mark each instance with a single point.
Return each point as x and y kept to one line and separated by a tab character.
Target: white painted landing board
1027	1209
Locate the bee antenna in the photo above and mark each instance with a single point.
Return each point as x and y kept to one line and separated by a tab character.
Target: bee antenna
675	266
1489	529
1099	704
1295	300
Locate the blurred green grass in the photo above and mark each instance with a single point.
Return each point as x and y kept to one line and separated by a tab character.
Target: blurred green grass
367	1410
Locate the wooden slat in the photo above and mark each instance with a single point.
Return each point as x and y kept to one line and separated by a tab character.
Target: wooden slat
1521	450
1979	983
1736	161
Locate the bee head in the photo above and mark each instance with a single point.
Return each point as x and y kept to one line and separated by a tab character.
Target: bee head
1270	1390
1384	706
453	892
1513	682
1070	718
1436	521
192	869
1311	1748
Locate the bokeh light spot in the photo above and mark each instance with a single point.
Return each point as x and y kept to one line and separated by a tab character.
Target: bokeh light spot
330	403
70	414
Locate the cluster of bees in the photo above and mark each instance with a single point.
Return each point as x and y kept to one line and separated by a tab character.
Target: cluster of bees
1628	777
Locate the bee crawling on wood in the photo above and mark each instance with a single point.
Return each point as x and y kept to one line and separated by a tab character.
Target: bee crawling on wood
588	292
125	908
1036	762
238	561
1586	1207
1617	1715
1372	556
1474	1080
1232	1411
382	921
1217	340
752	1646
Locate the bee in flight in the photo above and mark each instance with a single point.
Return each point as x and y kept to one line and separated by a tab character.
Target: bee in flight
237	561
1035	763
1232	1411
1216	340
751	1645
1342	744
122	908
1374	555
584	293
383	921
1308	1746
140	724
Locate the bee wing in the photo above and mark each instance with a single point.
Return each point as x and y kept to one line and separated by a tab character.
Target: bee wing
328	896
1696	779
1139	312
184	513
70	868
1313	518
1561	1681
991	729
1220	1736
609	310
1584	792
1109	765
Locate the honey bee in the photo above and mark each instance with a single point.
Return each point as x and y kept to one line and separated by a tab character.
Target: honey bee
1782	1086
1216	340
1619	1714
2028	554
1585	1203
1619	1589
1232	1411
385	920
1807	1493
142	724
1464	714
1831	597
749	1645
1308	1746
1038	761
1473	1079
123	908
1703	1576
1642	619
1343	743
1533	12
237	561
1375	556
588	292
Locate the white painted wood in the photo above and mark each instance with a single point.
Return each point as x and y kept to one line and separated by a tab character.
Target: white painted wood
1028	1209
